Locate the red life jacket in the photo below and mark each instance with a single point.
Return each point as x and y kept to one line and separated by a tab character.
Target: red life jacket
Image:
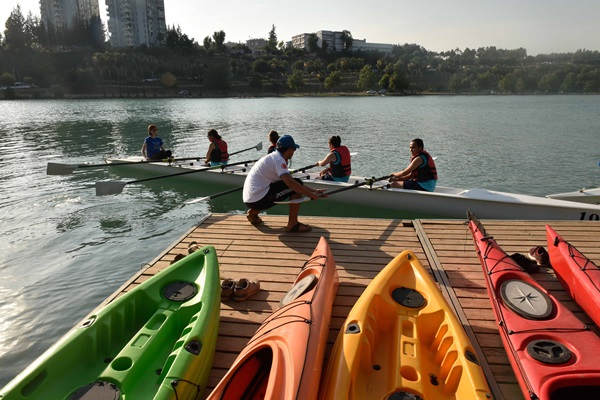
219	153
343	167
425	172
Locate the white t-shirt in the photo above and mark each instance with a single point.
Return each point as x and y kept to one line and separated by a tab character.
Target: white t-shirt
267	170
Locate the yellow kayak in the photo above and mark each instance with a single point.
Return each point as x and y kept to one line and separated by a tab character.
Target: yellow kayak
402	340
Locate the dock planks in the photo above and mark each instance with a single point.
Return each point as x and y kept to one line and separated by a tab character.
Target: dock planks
361	248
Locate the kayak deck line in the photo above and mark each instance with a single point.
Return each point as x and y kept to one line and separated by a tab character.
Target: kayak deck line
362	247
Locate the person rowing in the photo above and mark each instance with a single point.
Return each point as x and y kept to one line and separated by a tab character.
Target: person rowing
217	150
153	149
273	137
339	160
421	173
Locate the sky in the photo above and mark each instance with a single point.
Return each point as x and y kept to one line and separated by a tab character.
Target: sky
539	26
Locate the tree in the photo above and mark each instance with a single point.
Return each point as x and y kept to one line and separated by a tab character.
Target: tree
296	80
261	66
312	43
7	79
347	40
208	43
219	41
366	78
216	77
15	37
272	41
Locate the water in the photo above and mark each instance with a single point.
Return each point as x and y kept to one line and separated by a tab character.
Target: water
63	250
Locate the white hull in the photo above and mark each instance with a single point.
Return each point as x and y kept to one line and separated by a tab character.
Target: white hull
590	196
445	202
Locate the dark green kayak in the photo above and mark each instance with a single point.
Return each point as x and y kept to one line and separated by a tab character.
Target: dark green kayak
157	341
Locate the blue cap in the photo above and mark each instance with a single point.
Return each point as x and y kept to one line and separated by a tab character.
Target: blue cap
286	141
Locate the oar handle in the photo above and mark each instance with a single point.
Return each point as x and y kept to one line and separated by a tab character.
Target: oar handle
303	168
368	181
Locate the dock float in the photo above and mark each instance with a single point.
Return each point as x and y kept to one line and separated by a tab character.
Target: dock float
361	248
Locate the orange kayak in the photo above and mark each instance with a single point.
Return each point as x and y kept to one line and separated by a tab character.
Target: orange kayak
284	358
402	340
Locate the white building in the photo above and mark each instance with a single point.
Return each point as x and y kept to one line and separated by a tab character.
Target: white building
60	14
335	42
136	22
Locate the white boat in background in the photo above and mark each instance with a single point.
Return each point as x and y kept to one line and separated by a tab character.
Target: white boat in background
590	196
444	202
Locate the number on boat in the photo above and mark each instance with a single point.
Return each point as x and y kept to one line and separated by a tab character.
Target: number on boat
592	217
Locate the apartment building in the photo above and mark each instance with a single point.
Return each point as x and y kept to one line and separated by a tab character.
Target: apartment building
136	22
60	14
335	42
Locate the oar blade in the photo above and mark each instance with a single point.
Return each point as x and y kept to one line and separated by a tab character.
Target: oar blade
60	169
106	188
259	146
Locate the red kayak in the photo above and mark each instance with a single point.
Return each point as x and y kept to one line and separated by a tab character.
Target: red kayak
579	276
284	358
553	354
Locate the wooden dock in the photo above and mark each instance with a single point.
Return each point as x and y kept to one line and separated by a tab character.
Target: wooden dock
361	248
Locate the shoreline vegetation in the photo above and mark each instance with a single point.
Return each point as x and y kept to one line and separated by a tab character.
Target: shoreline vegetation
39	62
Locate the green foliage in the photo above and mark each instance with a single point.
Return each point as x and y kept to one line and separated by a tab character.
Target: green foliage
216	77
296	80
366	78
7	79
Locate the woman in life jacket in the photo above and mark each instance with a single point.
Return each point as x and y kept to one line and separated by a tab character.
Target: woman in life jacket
340	165
217	150
421	173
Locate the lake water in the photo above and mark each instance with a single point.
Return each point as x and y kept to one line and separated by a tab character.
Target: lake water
63	250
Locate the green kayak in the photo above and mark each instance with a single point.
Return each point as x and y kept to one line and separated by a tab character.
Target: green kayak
156	341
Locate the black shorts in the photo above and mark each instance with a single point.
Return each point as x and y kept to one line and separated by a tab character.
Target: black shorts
278	191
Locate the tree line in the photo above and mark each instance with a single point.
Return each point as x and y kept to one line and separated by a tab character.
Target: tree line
80	60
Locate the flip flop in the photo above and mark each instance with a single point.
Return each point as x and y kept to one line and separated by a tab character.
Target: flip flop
300	228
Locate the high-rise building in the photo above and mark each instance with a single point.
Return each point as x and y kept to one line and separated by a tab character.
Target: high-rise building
136	22
61	14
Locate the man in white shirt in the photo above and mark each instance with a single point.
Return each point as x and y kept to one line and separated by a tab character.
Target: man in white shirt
270	180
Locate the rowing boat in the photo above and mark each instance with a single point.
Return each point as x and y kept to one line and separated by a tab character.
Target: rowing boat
381	201
590	196
578	275
553	354
156	341
401	340
283	360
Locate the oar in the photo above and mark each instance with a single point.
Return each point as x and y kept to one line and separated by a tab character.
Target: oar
66	169
368	181
237	189
257	147
116	187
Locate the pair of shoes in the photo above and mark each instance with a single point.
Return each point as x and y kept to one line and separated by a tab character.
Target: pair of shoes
540	256
254	219
192	247
178	257
299	227
239	290
526	263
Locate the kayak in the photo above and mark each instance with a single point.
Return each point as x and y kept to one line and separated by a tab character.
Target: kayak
284	358
156	341
578	275
402	340
553	354
379	200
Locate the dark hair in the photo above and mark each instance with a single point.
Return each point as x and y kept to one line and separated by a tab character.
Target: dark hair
336	141
214	133
151	128
273	136
418	142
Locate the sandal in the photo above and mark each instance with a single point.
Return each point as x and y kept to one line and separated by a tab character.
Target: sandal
254	219
300	227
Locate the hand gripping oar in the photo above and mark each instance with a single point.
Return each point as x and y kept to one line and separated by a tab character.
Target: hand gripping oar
116	187
237	189
66	169
368	181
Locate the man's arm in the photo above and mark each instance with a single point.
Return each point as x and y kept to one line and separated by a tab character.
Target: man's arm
301	189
